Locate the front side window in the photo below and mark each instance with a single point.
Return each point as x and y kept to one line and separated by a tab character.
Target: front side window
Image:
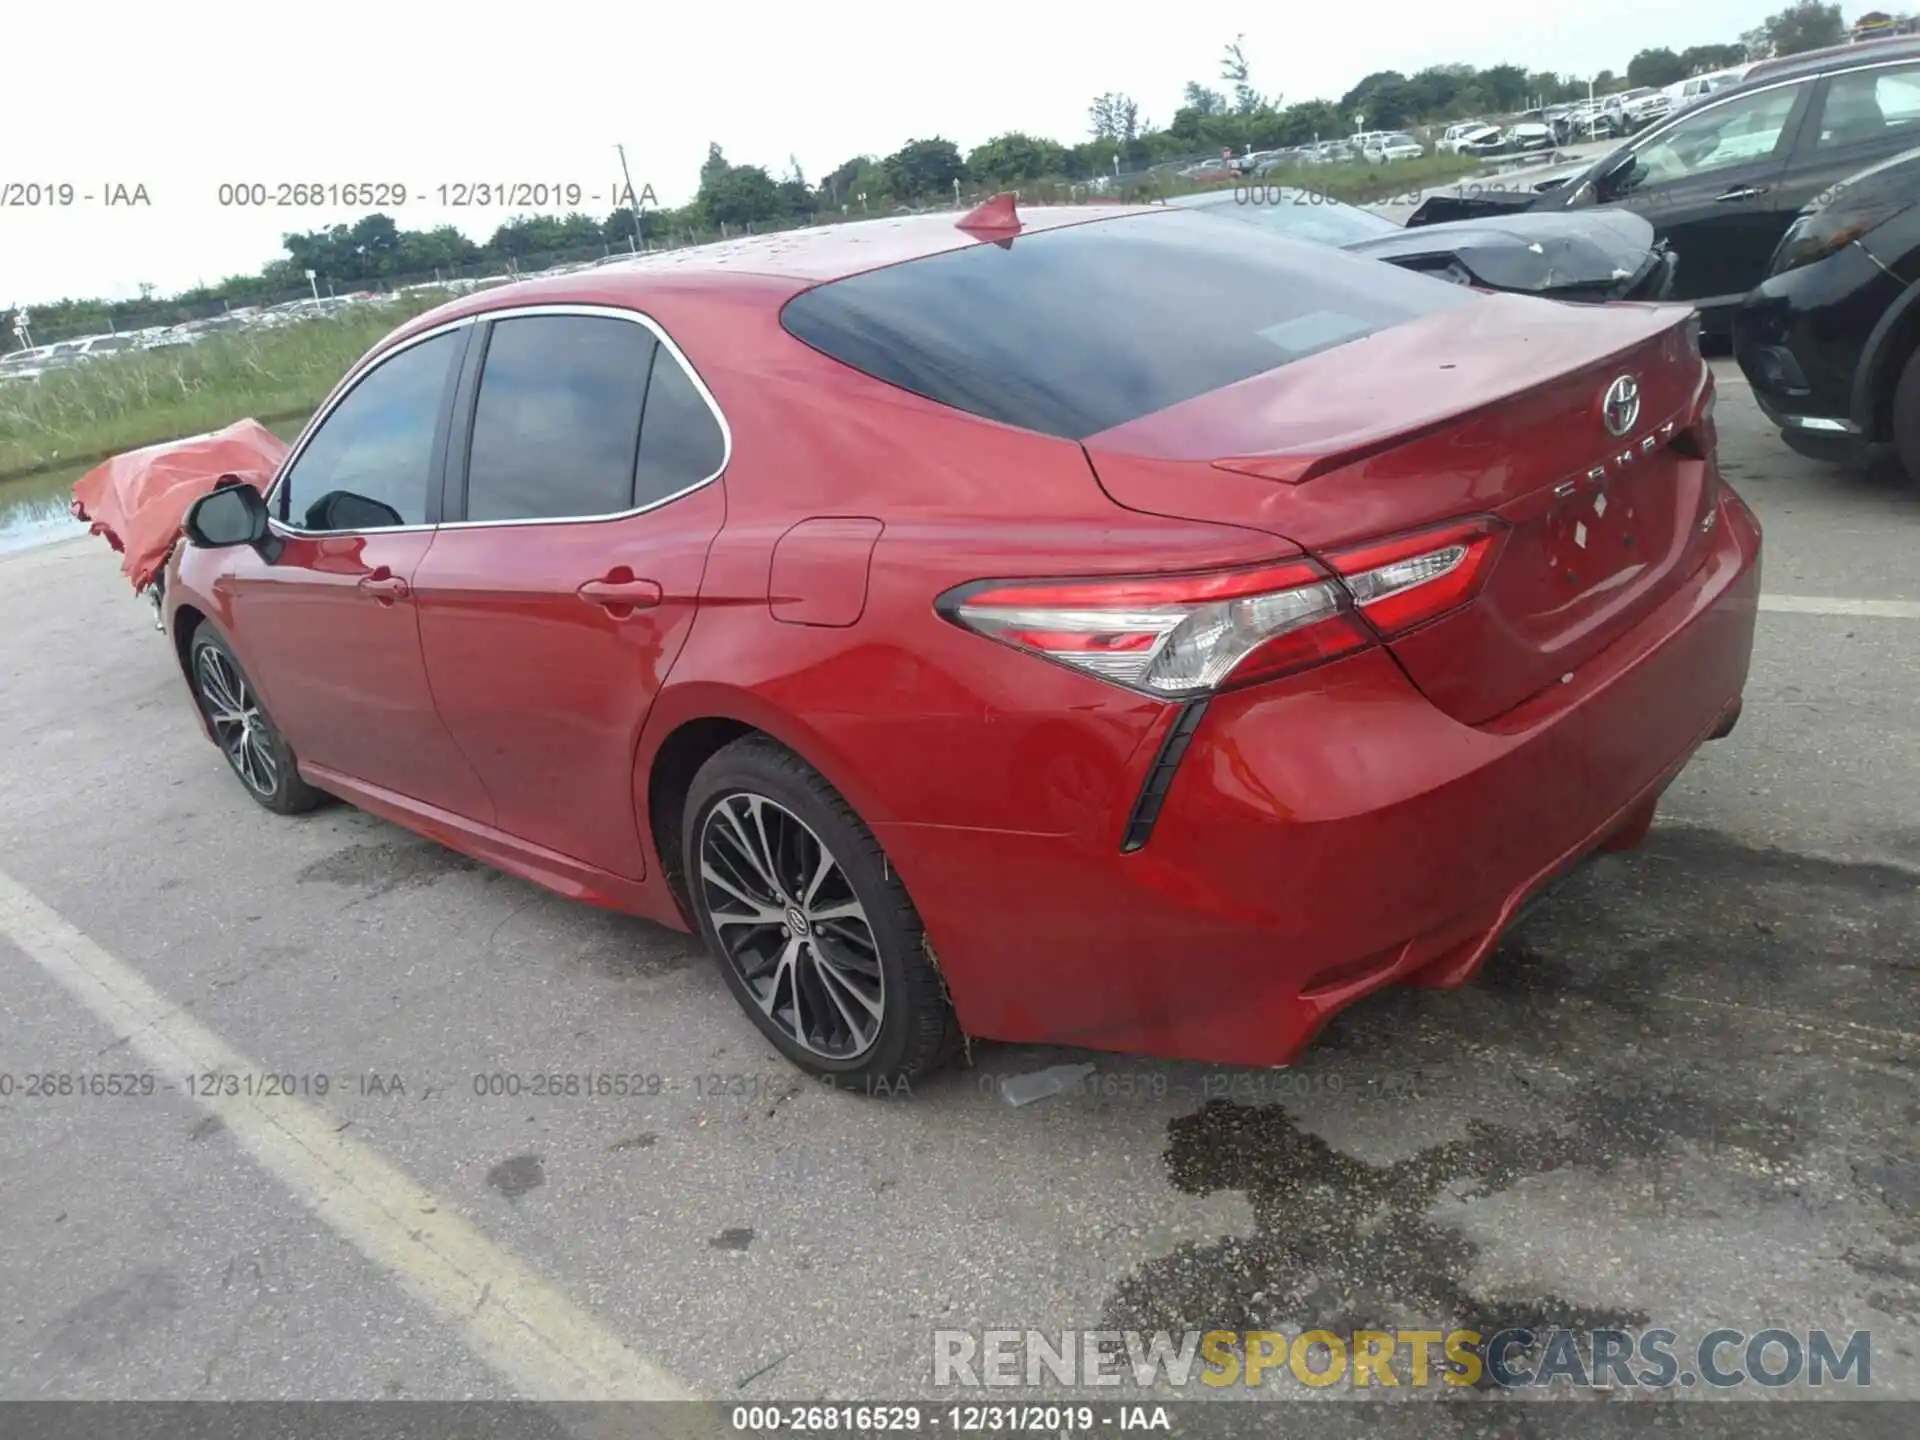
1863	106
556	426
370	465
1736	132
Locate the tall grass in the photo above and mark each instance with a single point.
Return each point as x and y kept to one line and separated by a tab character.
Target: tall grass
123	401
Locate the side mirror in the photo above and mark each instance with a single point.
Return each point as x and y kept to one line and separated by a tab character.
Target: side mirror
234	514
1610	181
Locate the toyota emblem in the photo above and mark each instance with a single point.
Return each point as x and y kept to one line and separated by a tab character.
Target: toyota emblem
1621	408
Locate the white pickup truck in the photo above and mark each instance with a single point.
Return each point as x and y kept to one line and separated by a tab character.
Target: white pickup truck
1696	88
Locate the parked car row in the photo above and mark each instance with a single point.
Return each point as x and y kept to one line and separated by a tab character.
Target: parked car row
28	364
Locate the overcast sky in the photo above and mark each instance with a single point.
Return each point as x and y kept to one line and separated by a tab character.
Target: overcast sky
180	98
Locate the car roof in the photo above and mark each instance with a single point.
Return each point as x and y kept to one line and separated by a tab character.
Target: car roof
1837	57
777	265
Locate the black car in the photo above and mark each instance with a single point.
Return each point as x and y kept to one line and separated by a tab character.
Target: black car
1601	255
1830	341
1723	179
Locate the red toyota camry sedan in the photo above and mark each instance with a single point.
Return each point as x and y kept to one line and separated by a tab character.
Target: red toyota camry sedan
1115	627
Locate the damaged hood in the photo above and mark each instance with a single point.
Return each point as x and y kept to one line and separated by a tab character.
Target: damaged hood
1545	189
137	500
1593	254
1584	255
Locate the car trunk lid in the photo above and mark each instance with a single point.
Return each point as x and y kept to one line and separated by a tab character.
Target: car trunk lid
1497	410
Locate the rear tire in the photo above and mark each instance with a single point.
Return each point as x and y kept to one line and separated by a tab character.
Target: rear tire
1906	418
811	927
255	749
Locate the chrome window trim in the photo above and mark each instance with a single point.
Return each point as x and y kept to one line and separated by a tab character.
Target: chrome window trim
325	413
513	312
1694	112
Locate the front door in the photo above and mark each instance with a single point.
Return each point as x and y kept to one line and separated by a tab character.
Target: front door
1708	183
552	611
328	629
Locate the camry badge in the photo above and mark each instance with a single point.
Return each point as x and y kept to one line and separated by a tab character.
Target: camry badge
1621	408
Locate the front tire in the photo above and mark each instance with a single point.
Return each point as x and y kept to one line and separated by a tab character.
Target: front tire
812	928
255	749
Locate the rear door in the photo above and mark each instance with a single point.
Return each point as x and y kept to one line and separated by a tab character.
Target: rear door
556	600
1857	118
1709	182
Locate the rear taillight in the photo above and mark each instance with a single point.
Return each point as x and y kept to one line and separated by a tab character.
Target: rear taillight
1173	636
1178	636
1411	579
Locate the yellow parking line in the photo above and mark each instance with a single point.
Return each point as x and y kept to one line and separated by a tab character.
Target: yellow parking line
537	1339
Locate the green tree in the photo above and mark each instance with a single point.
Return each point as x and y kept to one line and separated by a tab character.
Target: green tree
1803	26
1011	158
741	195
1202	101
1505	87
1658	68
1438	89
1234	70
924	168
1113	116
1311	119
1385	98
862	175
1700	59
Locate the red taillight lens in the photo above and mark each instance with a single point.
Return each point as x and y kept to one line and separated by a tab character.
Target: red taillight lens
1178	636
1171	636
1411	579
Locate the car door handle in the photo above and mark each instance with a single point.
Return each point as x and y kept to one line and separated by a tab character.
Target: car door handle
620	593
384	586
1741	192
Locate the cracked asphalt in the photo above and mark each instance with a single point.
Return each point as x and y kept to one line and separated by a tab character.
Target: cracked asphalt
1682	1095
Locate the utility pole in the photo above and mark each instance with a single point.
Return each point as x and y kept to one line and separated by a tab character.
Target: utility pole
633	202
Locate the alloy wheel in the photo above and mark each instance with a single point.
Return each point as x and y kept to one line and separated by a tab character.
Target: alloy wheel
239	727
790	925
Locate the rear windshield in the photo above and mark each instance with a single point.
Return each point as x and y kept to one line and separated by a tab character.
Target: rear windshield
1074	331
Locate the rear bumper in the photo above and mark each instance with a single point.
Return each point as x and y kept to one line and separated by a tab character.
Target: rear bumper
1330	835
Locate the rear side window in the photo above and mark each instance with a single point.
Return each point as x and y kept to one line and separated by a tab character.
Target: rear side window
681	444
556	427
1868	105
1073	331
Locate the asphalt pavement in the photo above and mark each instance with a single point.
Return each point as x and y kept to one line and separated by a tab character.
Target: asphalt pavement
1683	1094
